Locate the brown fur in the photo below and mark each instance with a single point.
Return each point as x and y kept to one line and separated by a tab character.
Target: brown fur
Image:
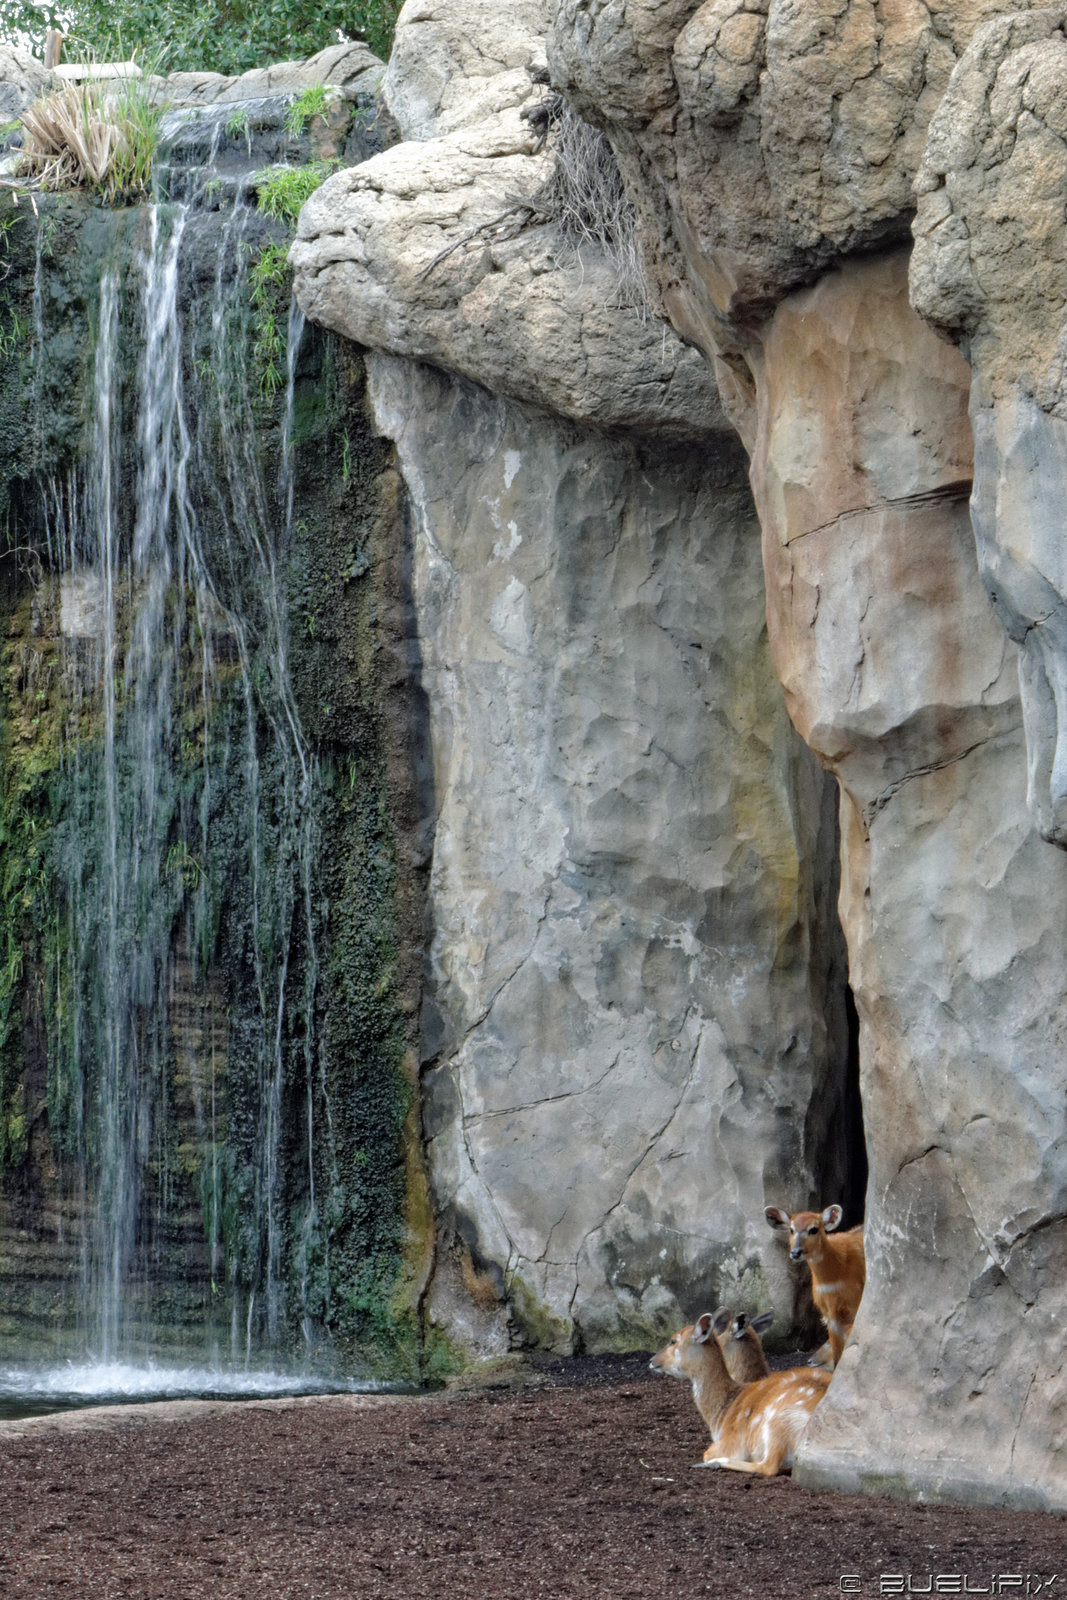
754	1427
741	1345
838	1267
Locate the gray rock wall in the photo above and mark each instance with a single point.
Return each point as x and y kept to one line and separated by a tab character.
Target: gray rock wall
763	143
639	1021
639	1034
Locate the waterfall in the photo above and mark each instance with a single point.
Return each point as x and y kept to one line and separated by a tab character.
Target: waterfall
176	638
202	1047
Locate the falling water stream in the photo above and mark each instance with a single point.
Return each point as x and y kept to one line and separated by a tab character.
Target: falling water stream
180	996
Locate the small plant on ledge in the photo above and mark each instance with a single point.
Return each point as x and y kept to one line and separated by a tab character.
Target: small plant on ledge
281	191
269	275
314	101
83	136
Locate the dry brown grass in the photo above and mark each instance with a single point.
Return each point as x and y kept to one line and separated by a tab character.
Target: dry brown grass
585	196
69	141
87	136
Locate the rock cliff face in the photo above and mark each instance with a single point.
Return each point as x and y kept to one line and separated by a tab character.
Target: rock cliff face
769	148
990	269
638	1022
763	145
639	1030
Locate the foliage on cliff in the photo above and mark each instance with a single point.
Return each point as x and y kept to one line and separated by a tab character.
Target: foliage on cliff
217	35
282	1185
82	137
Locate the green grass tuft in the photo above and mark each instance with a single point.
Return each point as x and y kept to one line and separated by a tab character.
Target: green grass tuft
281	191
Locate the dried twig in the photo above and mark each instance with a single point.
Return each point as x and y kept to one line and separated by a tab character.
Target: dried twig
585	196
487	230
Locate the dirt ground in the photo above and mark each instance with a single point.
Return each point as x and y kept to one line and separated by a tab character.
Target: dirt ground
582	1486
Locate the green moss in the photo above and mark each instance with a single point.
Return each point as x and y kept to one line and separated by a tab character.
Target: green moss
887	1485
440	1361
30	753
14	1135
350	1223
540	1328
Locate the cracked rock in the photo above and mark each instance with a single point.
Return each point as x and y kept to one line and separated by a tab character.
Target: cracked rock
634	945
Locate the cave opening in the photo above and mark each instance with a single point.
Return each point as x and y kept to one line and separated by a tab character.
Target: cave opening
853	1137
835	1135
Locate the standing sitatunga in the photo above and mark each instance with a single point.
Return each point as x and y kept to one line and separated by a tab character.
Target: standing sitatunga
838	1269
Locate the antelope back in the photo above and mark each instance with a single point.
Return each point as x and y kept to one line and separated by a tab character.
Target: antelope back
762	1426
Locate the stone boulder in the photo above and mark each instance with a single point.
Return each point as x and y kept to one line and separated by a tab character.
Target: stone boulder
422	251
430	252
990	269
453	65
23	80
351	69
439	250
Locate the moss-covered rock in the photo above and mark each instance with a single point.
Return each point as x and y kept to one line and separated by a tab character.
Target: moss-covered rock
211	893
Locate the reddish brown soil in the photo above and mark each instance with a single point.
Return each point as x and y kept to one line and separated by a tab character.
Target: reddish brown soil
557	1491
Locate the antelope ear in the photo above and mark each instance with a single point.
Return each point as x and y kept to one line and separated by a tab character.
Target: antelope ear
739	1325
764	1320
831	1218
703	1328
776	1217
720	1321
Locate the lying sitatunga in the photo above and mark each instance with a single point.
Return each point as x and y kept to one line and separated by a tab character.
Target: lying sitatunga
838	1270
754	1427
741	1345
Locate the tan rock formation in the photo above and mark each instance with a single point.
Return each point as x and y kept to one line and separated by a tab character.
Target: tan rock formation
898	674
990	268
762	138
426	251
764	142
